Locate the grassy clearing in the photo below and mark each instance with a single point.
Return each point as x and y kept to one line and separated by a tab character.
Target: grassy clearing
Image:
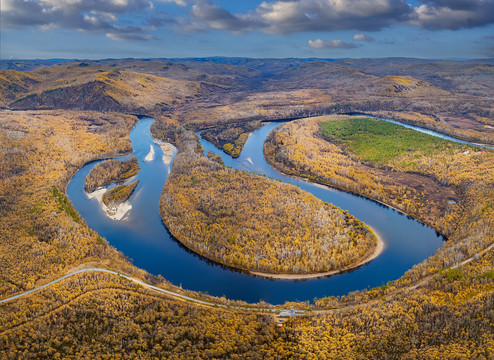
380	142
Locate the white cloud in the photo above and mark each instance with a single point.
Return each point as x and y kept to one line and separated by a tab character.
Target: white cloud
90	16
286	17
294	16
332	44
453	14
129	37
362	37
178	2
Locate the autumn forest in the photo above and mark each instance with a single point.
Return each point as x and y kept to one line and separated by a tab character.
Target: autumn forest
89	300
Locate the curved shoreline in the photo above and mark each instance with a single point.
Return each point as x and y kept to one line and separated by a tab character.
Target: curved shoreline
262	285
347	190
381	245
118	213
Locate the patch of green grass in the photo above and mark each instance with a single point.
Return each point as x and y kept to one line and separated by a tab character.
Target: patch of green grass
487	275
454	274
64	204
379	141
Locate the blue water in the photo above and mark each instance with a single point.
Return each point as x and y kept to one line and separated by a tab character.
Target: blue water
143	237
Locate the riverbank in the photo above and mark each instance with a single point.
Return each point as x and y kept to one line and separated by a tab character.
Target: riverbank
168	151
420	196
380	246
115	212
163	256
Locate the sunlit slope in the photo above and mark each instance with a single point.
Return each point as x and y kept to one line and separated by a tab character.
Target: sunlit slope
15	84
406	86
85	87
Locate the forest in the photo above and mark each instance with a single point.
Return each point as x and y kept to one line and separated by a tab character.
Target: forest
380	142
466	219
441	308
119	194
250	222
111	171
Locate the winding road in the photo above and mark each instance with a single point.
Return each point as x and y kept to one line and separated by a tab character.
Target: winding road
91	268
219	305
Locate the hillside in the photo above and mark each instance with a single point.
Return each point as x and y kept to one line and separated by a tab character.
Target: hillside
84	87
316	75
404	86
14	84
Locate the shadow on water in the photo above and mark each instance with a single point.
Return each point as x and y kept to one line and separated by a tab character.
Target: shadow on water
143	237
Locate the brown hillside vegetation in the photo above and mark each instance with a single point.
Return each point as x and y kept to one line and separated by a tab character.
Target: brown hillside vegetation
98	88
253	223
232	76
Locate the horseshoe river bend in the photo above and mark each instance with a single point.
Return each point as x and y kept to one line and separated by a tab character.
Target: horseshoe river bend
142	236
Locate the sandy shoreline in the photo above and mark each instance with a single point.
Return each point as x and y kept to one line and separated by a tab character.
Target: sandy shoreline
377	251
168	151
115	213
150	156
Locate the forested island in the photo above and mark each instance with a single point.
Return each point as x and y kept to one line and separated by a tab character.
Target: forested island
111	171
256	224
108	172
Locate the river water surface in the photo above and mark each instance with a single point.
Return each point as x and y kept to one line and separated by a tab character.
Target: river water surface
142	236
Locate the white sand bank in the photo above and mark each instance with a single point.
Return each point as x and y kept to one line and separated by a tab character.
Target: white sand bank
168	151
150	156
114	212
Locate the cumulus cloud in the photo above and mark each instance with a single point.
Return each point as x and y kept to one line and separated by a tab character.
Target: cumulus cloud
129	37
362	37
453	14
205	15
270	16
332	44
178	2
285	17
293	16
94	16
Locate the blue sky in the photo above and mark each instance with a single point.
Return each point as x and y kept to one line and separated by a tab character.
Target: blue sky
94	29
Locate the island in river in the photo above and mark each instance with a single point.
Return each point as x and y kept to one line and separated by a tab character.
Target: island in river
252	223
114	201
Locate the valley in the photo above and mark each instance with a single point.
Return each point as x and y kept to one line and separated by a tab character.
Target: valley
57	119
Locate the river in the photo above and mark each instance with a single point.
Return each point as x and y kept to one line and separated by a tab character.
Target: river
142	237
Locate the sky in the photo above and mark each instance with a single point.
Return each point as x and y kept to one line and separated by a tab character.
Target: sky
98	29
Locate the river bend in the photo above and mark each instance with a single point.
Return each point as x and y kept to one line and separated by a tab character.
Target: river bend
142	237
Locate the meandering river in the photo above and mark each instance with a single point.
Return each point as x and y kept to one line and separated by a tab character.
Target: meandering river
142	237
